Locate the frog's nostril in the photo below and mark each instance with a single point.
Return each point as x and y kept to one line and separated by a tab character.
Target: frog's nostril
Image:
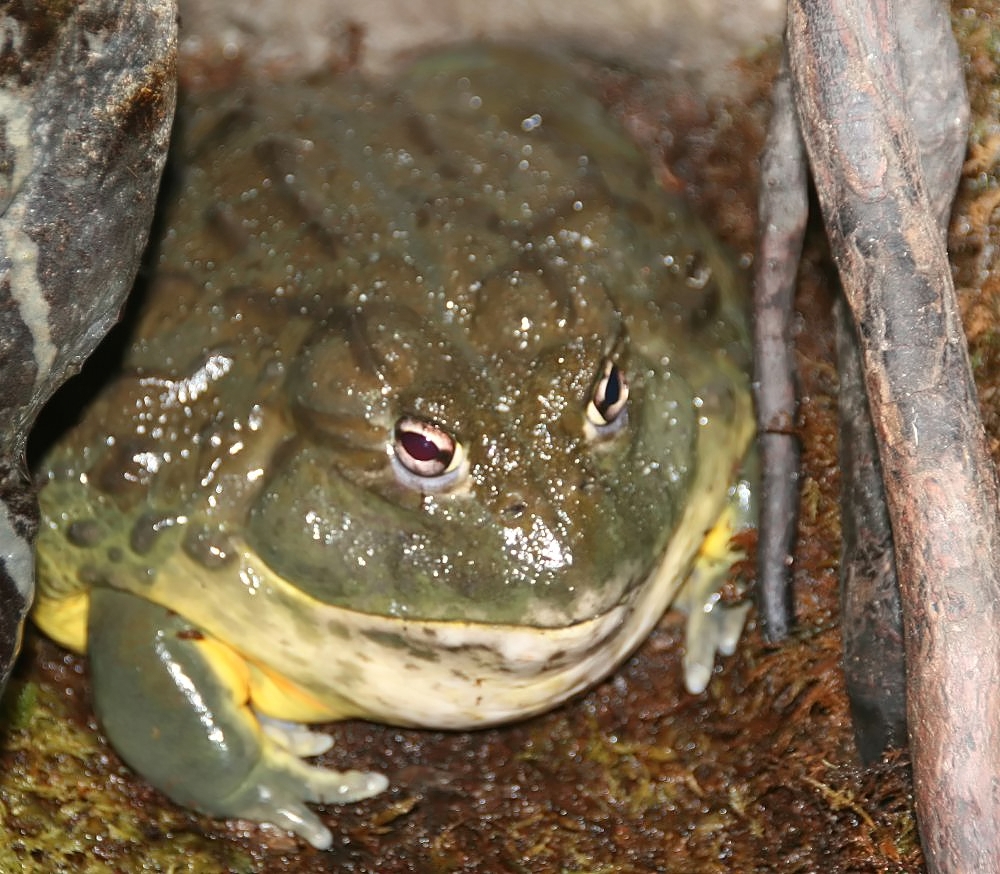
514	510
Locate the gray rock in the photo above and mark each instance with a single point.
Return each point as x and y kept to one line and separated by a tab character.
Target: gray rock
87	93
698	36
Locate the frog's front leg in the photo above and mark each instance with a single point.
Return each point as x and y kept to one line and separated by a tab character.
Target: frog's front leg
712	626
175	705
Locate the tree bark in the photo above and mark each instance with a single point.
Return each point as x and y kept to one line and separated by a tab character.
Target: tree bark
871	621
886	233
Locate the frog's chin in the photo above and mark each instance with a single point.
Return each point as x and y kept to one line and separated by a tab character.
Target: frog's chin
486	675
454	674
458	675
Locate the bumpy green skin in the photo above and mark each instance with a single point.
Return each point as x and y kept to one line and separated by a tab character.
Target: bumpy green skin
469	248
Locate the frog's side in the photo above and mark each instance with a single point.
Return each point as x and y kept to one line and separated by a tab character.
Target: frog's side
432	404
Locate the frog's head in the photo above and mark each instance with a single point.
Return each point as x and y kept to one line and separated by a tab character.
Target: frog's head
526	470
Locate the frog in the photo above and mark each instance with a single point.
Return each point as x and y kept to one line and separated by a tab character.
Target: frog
435	403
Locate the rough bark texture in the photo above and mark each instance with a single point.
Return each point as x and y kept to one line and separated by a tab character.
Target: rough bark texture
883	218
784	210
871	620
86	101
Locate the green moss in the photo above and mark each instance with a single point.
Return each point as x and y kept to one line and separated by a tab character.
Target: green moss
64	807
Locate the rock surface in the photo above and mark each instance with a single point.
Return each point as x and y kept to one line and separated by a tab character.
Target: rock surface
87	95
701	36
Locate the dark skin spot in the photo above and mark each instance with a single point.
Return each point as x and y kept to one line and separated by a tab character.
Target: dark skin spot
84	533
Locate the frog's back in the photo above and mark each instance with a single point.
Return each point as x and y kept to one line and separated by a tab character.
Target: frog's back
446	192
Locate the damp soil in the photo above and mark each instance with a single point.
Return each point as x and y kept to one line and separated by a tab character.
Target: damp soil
758	774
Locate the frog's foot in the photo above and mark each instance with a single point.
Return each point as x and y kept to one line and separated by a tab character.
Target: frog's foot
712	626
174	703
276	790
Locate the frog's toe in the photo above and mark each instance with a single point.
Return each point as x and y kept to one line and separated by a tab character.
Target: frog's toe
729	626
699	653
294	816
696	677
295	737
277	790
712	626
323	785
714	629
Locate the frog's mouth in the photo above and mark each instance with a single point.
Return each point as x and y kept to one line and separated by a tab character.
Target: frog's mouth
453	674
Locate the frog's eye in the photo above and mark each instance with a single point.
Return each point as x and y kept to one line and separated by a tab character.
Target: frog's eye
424	455
607	411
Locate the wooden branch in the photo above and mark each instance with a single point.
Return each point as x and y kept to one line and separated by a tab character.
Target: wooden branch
886	234
784	209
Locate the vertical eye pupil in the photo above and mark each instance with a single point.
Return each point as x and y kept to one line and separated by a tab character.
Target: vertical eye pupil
608	400
612	391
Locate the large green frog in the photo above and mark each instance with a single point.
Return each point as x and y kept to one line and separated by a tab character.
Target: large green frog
432	404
